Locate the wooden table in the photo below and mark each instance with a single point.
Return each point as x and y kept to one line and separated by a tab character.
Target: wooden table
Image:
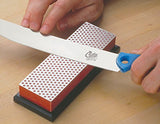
111	97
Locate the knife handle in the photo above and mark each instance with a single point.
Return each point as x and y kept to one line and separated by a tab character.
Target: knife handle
125	60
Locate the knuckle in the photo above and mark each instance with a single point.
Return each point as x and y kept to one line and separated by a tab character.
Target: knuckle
155	48
99	9
96	12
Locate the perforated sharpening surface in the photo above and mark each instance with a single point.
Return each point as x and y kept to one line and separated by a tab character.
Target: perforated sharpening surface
56	76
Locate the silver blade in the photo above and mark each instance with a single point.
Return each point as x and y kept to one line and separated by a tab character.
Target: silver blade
54	45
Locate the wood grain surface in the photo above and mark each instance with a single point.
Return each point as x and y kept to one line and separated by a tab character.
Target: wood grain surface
111	98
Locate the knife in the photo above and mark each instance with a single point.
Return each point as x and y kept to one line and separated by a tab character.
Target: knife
67	49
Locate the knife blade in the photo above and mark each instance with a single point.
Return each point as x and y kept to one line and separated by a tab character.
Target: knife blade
61	47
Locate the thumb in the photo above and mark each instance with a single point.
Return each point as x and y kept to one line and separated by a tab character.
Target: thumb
141	50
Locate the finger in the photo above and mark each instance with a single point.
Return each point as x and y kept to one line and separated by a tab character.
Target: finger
78	17
151	82
83	4
141	50
59	10
34	13
143	64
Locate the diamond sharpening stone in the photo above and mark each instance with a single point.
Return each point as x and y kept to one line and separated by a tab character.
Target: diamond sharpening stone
53	85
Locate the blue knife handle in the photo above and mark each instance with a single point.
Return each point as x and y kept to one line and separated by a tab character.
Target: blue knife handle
129	58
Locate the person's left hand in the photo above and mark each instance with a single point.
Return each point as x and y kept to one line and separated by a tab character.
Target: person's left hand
145	69
64	13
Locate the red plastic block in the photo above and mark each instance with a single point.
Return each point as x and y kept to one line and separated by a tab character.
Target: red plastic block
49	83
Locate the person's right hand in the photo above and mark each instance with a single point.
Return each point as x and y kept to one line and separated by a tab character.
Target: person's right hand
145	69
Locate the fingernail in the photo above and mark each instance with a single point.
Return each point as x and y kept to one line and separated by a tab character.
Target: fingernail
25	23
134	78
134	51
138	51
44	29
34	26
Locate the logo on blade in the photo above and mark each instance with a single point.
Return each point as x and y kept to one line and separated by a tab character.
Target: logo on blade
91	56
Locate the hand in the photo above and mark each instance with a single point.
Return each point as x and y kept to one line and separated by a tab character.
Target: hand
146	69
64	13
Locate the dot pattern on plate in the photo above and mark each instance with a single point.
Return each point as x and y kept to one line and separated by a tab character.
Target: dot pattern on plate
92	36
55	73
